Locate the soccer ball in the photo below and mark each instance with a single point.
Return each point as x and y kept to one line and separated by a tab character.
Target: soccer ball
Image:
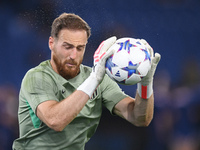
130	62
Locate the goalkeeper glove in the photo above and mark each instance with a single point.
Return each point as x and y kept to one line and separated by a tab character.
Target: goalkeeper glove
98	70
145	87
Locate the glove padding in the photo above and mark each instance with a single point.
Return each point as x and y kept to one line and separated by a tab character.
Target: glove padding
149	77
100	56
145	87
154	62
98	70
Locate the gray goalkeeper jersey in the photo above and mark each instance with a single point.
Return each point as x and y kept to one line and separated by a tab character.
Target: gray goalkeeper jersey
41	84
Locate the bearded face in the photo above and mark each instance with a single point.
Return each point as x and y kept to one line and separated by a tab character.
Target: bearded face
66	71
67	52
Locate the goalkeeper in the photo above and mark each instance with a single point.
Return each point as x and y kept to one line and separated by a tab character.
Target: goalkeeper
60	100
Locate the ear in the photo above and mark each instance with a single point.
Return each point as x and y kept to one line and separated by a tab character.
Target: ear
51	43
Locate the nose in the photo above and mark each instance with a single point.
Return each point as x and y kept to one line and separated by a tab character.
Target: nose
73	53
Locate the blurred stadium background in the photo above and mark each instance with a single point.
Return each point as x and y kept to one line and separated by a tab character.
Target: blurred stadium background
172	27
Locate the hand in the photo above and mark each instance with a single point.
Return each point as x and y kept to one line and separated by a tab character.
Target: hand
154	62
145	87
98	71
103	52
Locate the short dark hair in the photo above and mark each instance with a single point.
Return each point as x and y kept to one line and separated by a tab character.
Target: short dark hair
69	21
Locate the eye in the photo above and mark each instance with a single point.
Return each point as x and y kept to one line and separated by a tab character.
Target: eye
68	47
80	48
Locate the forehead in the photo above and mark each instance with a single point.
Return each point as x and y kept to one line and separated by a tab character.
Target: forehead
75	37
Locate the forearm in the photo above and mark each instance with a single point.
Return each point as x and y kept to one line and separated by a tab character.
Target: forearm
59	114
62	113
143	110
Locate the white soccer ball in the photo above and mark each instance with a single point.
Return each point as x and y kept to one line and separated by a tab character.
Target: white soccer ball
130	62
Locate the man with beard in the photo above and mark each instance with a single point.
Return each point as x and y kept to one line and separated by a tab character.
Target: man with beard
60	100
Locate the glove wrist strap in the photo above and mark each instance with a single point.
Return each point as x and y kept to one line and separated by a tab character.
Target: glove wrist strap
89	85
145	91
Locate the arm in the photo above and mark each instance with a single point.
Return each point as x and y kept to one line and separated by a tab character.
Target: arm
57	115
139	111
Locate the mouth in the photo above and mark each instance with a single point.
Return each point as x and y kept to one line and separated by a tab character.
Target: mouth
70	65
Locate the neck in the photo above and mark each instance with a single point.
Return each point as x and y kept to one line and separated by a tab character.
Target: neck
53	65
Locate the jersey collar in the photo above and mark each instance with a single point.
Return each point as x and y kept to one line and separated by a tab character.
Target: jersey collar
75	82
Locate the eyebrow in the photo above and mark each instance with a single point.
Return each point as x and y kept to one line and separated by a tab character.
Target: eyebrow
65	43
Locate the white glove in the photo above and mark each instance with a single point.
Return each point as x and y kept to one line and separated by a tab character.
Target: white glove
98	71
100	56
145	87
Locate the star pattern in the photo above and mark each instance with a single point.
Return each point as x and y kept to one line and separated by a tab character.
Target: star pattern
125	46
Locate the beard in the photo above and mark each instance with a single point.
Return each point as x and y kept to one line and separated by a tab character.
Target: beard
65	71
